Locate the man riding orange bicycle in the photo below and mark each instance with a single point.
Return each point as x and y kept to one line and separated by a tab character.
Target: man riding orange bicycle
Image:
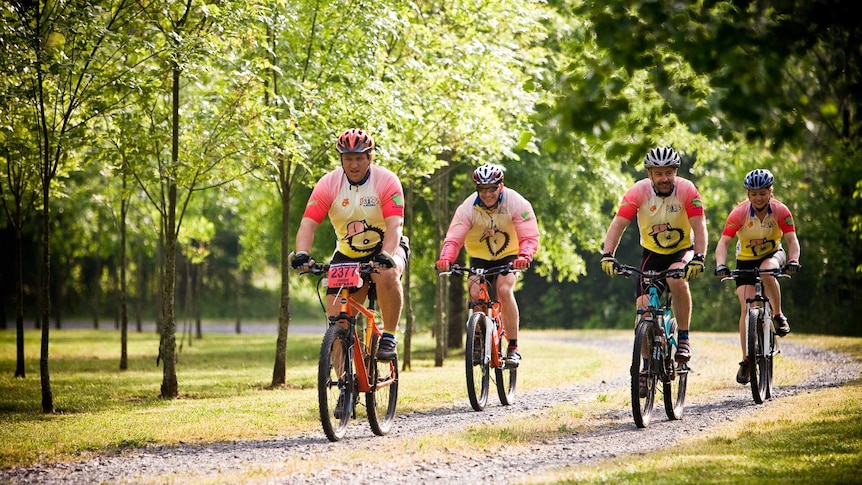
497	226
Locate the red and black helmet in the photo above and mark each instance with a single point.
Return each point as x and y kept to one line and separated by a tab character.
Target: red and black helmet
354	141
488	174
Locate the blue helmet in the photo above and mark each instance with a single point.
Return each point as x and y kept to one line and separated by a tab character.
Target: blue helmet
759	178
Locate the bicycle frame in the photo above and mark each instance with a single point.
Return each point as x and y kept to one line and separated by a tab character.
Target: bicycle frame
661	313
495	332
349	308
761	345
348	366
485	333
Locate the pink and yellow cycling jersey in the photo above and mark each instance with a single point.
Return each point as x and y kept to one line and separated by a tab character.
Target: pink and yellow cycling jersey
758	238
357	212
663	221
510	229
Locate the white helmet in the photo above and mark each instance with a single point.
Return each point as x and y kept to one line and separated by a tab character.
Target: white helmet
488	175
661	157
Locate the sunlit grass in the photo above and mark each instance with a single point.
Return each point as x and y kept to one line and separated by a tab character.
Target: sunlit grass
779	444
224	395
224	389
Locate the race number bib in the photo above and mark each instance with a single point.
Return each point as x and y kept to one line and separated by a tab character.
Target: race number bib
345	275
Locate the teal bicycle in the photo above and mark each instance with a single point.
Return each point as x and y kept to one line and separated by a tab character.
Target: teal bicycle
654	347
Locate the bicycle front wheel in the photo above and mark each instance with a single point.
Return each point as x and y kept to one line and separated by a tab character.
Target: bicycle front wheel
768	352
478	377
757	360
506	379
335	389
383	398
642	372
674	387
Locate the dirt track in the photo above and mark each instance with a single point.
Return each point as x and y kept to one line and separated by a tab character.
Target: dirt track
235	461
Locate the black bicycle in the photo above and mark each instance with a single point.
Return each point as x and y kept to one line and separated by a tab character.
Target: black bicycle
760	342
654	347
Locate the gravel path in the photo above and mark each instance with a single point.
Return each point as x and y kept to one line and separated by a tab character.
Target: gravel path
233	461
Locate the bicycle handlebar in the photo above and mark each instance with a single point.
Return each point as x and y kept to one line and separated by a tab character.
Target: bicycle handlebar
365	269
755	272
463	270
627	271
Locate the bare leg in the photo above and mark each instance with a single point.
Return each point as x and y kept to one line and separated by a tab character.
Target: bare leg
743	292
511	314
390	295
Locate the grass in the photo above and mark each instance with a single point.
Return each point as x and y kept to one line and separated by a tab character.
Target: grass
224	395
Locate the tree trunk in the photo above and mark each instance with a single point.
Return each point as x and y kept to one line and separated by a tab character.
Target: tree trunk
457	314
19	298
197	277
124	315
45	377
238	301
408	301
170	388
279	370
441	212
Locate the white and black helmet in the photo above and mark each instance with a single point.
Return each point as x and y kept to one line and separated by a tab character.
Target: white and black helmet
661	157
488	174
759	178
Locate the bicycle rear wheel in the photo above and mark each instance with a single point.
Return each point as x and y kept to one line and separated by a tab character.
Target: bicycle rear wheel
756	356
642	403
335	389
478	376
674	388
507	380
383	398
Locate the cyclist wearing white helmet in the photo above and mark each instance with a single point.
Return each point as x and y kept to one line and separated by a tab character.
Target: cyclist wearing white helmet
496	226
672	229
759	223
365	204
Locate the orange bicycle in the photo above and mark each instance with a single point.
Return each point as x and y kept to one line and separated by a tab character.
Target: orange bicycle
348	364
484	347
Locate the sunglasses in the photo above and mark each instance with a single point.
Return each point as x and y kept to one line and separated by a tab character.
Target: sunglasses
488	190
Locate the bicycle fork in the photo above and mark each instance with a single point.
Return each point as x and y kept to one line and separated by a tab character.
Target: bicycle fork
491	342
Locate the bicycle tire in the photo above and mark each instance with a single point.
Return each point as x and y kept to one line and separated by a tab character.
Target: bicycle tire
756	357
769	353
477	369
642	407
674	387
382	400
506	380
334	385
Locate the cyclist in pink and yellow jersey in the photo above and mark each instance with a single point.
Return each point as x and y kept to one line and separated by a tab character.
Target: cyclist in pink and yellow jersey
672	233
497	226
365	204
759	223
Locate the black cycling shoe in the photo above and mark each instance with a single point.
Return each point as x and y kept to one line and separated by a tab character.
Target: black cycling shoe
643	388
743	374
339	407
782	328
388	350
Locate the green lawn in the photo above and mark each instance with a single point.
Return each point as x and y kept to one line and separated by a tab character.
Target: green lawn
224	395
